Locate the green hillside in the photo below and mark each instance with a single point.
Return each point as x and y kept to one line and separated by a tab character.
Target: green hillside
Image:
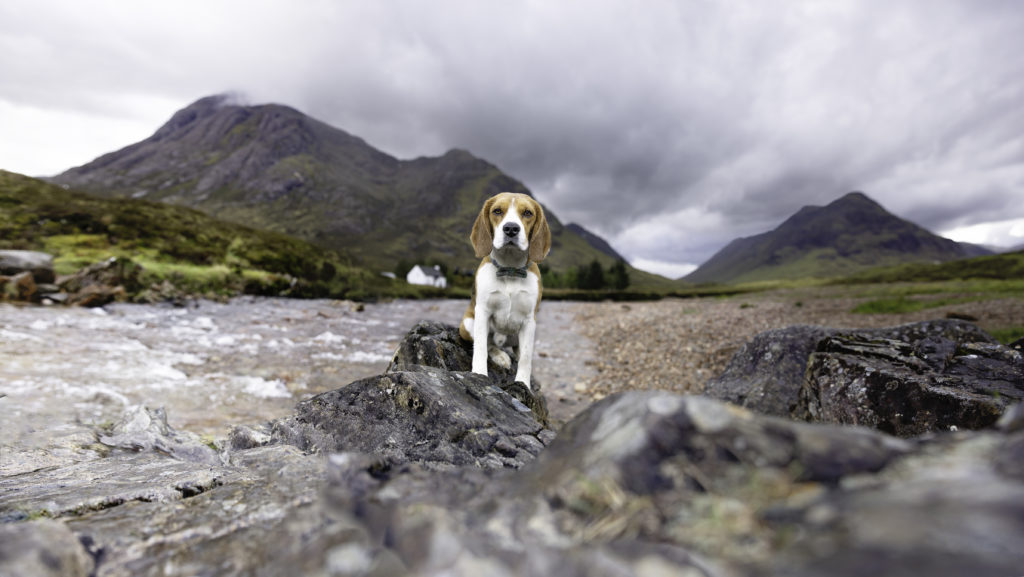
175	244
1006	266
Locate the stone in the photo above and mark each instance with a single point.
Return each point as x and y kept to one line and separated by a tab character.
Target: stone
431	416
933	377
666	484
767	373
641	483
144	429
905	380
102	283
42	548
40	264
437	345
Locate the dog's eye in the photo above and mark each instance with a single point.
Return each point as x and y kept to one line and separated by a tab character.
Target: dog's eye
527	213
497	211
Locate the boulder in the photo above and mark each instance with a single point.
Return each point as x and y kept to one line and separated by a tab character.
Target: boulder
40	264
430	416
908	388
641	483
144	429
438	345
661	484
767	373
20	287
42	548
905	380
102	283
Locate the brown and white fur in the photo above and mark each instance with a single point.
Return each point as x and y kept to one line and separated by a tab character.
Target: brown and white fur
510	233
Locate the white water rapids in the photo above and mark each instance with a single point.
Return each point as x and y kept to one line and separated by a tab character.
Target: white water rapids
214	365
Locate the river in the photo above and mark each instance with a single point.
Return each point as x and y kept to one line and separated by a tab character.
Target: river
212	365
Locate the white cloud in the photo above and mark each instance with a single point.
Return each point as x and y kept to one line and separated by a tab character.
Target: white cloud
1007	233
671	270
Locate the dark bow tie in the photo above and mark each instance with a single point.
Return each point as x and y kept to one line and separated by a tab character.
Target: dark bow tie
512	271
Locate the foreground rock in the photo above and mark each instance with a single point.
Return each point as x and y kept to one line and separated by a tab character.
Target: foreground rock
905	380
433	417
431	344
428	471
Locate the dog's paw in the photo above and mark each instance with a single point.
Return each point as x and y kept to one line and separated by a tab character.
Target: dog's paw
501	358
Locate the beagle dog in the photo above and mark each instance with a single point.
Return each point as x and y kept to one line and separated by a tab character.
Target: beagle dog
511	235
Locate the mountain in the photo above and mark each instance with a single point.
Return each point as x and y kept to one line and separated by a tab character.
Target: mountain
851	234
272	167
594	241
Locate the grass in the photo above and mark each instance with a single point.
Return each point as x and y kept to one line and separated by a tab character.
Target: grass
195	252
902	304
1008	335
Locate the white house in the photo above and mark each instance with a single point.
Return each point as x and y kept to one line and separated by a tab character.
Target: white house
427	276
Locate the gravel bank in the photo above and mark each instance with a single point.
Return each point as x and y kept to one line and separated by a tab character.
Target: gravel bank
679	344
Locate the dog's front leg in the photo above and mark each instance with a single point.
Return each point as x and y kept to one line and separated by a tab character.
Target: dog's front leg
526	335
481	320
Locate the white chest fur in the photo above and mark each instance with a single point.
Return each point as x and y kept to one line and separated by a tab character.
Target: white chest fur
508	302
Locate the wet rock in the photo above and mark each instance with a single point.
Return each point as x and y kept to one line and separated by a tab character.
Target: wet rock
930	377
649	483
767	373
20	287
39	264
429	415
144	429
905	380
42	548
102	283
438	345
686	485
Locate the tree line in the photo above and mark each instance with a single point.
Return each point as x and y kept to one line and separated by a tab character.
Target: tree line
590	276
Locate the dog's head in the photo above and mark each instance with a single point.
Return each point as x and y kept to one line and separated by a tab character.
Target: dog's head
511	219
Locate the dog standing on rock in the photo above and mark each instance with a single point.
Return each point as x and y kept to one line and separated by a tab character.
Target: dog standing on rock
511	235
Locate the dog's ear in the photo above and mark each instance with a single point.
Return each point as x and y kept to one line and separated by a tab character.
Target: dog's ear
482	237
540	238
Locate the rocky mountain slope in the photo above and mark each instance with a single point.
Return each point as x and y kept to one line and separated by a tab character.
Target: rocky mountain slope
272	167
852	234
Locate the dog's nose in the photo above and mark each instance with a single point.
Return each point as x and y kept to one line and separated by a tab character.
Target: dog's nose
510	229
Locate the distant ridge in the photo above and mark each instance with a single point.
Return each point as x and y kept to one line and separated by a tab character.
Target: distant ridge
272	167
594	241
849	235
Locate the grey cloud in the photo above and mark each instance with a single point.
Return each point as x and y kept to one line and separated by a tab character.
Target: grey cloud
670	127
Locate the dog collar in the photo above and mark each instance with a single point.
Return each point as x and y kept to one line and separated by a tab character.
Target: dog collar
515	271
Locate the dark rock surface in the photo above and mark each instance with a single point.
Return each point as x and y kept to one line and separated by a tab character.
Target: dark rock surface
767	373
434	417
904	380
430	344
418	472
102	283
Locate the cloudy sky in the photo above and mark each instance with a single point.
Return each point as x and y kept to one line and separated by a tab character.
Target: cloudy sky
669	127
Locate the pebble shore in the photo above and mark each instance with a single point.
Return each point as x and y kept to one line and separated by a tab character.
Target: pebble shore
678	344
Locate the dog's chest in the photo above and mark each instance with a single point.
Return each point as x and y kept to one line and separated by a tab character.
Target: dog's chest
509	303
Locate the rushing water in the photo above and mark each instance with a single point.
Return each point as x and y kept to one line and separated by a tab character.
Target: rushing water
212	365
